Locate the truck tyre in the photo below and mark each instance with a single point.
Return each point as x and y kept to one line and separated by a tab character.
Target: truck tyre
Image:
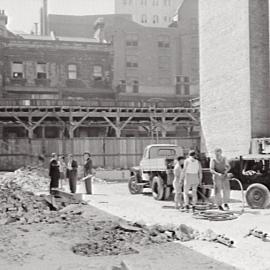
158	188
133	186
257	196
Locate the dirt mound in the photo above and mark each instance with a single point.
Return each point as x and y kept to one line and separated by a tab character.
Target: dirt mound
124	238
24	207
29	178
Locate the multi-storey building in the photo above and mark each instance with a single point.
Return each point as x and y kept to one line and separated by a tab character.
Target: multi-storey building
146	59
154	13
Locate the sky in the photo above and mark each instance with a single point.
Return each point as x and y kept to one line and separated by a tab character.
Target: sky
22	14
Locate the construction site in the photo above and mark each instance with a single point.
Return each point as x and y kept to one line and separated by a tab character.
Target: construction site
96	143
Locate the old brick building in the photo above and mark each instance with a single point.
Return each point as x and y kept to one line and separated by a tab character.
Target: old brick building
147	60
55	68
234	73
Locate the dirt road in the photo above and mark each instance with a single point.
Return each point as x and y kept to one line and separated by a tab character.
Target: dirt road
248	253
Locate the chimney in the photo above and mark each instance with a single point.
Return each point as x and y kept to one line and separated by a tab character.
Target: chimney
3	23
3	18
44	19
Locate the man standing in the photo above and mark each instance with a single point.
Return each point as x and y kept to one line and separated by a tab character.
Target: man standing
178	183
219	168
88	172
54	172
72	172
192	174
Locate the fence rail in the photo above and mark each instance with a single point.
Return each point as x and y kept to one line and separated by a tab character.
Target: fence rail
106	152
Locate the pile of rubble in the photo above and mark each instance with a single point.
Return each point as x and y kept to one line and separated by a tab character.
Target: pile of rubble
24	207
127	238
30	178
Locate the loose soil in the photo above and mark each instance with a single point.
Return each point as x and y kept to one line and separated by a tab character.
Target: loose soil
85	243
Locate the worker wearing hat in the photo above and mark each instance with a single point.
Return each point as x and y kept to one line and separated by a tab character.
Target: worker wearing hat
219	168
192	174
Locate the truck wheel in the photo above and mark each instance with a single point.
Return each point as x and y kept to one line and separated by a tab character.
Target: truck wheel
158	188
257	196
133	186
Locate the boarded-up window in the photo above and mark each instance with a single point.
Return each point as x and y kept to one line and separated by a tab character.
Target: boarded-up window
72	71
41	71
17	70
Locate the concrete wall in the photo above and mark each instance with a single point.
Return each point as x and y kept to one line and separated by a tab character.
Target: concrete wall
259	67
225	75
234	73
188	23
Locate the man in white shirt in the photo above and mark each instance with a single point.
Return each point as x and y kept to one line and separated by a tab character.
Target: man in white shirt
178	183
192	174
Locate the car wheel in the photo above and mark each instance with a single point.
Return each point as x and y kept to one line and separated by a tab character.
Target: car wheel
158	188
257	196
133	186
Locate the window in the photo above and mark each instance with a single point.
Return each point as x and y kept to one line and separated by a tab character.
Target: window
124	2
167	3
135	86
97	73
72	71
166	153
155	19
155	3
17	70
144	19
132	40
132	61
163	41
164	62
130	2
144	2
41	71
165	18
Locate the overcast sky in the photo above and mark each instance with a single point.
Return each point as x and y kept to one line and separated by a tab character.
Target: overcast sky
22	14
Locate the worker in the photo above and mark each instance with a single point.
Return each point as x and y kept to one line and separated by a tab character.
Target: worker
54	172
62	169
192	175
72	173
178	183
88	172
219	168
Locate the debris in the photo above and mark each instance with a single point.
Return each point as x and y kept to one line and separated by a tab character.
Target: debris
211	236
215	215
259	234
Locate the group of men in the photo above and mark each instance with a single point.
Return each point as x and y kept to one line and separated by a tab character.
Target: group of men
59	170
188	175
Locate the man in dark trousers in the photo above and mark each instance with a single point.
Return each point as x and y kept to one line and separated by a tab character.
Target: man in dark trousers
72	173
88	171
54	172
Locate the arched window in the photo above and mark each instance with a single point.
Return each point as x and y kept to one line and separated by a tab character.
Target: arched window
155	19
144	18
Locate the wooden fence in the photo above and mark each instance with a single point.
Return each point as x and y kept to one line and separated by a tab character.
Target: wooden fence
106	152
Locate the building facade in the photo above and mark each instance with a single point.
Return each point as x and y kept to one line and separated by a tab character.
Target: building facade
234	73
188	31
146	59
154	13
